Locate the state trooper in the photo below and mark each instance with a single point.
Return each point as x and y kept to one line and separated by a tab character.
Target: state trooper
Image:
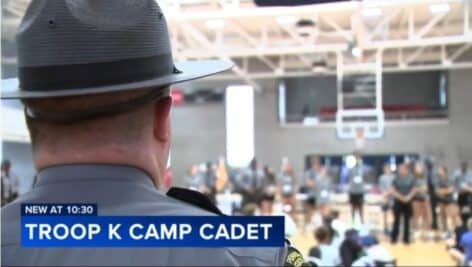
94	78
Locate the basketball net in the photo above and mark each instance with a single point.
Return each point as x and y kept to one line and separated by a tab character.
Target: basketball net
359	140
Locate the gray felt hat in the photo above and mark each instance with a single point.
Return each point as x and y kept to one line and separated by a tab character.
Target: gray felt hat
81	47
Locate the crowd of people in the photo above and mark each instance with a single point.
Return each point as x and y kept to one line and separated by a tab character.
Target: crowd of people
9	183
426	201
430	198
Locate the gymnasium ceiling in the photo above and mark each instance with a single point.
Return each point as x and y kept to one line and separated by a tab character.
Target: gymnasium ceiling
268	43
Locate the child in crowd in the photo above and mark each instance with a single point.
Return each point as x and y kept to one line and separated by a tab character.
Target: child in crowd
327	251
266	207
337	224
453	244
351	249
466	244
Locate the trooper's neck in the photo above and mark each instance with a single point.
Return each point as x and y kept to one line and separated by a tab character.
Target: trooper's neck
131	156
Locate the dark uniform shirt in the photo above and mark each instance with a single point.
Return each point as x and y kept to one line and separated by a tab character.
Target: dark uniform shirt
403	185
118	190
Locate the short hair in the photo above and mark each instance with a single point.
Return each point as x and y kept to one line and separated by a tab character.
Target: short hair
267	196
322	234
334	214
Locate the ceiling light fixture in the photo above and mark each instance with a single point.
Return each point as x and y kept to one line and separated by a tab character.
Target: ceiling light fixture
215	23
372	12
442	8
286	20
354	50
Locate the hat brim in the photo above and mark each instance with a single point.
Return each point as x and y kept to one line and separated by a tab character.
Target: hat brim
189	70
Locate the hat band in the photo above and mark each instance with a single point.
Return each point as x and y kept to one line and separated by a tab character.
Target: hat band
100	111
80	76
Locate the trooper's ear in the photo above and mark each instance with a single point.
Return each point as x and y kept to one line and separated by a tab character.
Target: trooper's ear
161	119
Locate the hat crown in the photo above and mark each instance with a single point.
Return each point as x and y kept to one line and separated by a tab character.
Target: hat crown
83	47
66	32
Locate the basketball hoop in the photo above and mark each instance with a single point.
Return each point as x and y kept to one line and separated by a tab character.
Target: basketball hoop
360	140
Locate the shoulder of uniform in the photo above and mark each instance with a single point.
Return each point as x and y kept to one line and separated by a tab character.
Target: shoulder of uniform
193	198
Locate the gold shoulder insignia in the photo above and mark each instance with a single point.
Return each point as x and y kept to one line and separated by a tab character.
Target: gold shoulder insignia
294	258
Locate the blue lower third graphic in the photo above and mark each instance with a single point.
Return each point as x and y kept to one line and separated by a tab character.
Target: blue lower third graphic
152	231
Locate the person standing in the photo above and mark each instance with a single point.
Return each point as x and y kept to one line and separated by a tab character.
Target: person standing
323	192
311	183
10	183
402	190
463	178
421	212
433	201
357	188
287	188
385	183
193	180
209	178
270	181
252	183
445	189
222	181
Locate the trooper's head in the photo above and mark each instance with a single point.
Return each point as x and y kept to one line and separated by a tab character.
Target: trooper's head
140	136
101	99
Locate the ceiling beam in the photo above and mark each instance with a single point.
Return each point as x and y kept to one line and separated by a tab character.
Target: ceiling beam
203	40
394	69
426	28
460	51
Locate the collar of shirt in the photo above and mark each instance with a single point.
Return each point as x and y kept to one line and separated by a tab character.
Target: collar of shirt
86	172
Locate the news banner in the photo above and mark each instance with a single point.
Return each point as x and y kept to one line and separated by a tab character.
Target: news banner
80	225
